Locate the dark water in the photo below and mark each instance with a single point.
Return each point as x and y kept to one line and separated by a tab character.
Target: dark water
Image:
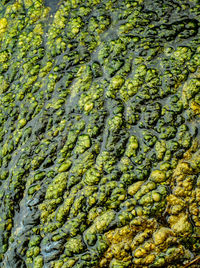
53	4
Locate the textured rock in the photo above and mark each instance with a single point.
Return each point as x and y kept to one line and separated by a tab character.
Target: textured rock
99	133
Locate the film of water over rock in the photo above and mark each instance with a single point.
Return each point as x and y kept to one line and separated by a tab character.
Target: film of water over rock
99	133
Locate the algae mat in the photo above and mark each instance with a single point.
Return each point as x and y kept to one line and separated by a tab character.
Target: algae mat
99	133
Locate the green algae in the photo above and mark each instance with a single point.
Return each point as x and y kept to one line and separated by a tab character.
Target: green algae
99	117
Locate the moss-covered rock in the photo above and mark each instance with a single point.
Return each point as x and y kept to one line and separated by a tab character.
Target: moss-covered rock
99	133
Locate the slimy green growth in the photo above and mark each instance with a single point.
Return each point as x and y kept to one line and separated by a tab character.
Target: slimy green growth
99	133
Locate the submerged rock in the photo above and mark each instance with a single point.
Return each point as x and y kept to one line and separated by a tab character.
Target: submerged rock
99	133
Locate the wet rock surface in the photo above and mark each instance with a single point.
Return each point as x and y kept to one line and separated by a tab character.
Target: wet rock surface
99	133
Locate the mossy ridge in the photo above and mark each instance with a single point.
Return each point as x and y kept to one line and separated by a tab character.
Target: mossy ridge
147	242
95	110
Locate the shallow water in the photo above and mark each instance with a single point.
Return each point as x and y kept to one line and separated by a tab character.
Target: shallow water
95	124
53	4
